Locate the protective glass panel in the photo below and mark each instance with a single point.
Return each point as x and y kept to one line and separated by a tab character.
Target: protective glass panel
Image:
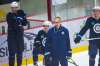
36	8
69	9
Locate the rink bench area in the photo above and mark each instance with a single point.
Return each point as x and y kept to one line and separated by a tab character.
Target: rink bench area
29	60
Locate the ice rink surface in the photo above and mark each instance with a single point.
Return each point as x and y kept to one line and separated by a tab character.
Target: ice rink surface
81	59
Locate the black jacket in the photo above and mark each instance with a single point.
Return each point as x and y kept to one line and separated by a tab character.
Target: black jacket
94	26
15	30
16	21
40	39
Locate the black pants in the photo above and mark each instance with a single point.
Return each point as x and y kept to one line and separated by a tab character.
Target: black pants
93	50
37	51
12	58
15	47
35	56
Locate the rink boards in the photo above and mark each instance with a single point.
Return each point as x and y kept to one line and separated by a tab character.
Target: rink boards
29	35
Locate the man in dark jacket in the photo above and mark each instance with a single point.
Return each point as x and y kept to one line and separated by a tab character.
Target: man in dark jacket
39	42
58	44
15	20
92	23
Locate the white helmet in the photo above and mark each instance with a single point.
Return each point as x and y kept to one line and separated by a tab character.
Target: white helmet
14	4
96	8
46	23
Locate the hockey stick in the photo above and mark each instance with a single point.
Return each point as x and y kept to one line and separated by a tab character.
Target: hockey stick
88	39
70	60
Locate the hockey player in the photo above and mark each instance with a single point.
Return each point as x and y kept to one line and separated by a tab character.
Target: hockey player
39	42
58	44
15	20
93	24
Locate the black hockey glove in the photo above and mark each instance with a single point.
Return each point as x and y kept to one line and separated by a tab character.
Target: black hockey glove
77	39
19	20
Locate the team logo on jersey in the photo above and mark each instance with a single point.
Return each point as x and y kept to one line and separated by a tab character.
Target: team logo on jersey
44	41
96	28
62	32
